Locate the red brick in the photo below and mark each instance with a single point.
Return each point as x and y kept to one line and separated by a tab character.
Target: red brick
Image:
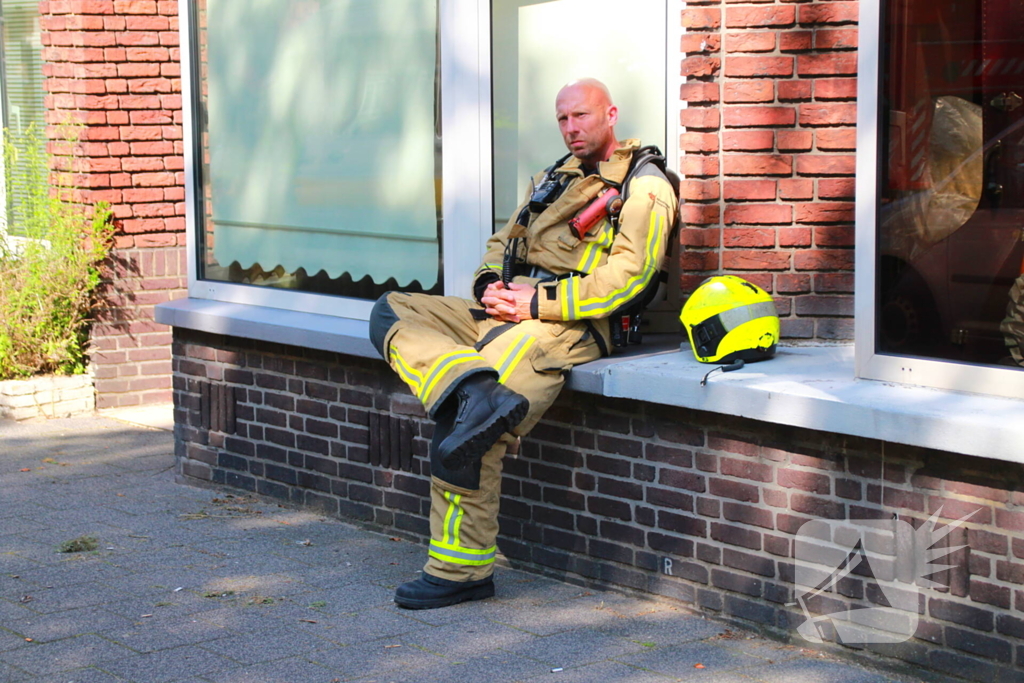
696	165
138	70
698	260
833	283
836	39
831	114
749	117
794	91
824	259
750	42
792	283
836	188
133	164
701	17
760	17
794	41
824	212
152	179
699	237
794	237
795	140
748	91
837	139
143	195
740	67
155	240
834	236
692	43
755	260
146	23
161	148
758	214
745	469
825	164
748	140
698	92
829	13
834	64
699	66
757	164
701	118
796	188
699	190
749	190
698	142
751	238
835	88
135	6
700	214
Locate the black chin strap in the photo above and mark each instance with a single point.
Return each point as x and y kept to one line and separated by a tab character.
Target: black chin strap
735	365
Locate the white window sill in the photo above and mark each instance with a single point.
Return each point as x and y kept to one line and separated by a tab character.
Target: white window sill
811	386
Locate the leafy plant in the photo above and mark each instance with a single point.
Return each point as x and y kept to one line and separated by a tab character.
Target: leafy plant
50	258
81	544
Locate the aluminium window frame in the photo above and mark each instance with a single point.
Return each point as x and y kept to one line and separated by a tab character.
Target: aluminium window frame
464	31
868	363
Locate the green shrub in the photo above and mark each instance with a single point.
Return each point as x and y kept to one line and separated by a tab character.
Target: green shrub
50	261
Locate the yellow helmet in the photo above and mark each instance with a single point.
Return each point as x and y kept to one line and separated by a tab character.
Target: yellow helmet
729	319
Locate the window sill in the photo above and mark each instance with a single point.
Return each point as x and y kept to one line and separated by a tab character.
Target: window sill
811	387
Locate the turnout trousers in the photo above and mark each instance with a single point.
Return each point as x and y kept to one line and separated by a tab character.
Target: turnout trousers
435	342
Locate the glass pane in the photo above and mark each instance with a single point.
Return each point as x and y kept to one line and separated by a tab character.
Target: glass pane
321	144
952	187
24	115
533	57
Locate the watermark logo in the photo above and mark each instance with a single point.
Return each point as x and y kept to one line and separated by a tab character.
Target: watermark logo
893	562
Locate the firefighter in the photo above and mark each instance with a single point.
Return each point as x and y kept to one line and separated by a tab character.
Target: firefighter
487	369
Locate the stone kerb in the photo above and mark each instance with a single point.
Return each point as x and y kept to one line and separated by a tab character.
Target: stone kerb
47	397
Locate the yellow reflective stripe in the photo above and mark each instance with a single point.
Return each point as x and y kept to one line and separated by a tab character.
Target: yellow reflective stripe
442	365
452	518
449	552
587	262
592	254
513	354
411	377
604	305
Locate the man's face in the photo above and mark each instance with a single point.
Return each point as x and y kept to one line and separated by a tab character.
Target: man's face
586	120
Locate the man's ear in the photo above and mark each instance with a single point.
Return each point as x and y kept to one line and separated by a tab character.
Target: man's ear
613	115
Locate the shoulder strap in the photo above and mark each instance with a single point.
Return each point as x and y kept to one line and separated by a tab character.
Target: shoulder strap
649	160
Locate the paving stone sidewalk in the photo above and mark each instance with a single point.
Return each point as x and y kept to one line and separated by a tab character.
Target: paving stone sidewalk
190	585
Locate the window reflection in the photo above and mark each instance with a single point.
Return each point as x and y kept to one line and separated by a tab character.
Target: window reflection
952	192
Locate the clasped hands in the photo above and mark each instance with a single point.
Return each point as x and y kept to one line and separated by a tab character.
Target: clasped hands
509	303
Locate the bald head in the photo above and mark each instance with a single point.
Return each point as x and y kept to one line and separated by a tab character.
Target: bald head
586	119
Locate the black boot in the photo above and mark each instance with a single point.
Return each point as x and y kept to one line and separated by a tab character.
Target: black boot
485	410
429	592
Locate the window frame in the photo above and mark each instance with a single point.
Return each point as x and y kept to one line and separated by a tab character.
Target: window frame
868	363
466	120
466	187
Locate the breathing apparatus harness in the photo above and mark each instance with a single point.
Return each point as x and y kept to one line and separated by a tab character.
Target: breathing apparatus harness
624	322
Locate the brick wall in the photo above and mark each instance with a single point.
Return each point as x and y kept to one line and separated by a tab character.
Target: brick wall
113	67
605	490
769	154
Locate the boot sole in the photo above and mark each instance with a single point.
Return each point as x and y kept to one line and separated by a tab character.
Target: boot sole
507	418
475	593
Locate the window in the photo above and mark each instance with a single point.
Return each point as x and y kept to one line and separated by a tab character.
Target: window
318	149
941	195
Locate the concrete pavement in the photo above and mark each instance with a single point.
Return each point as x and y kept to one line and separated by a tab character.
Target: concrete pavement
194	585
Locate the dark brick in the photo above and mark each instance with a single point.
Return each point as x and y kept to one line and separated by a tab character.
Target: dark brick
643	472
606	465
683	524
550	475
586	525
1010	571
981	541
272	489
706	462
709	507
355	472
645	516
573	500
751	611
235	376
308	480
674	545
848	488
990	594
325	465
734	535
751	563
232	462
280	437
737	583
682	479
958	665
1010	626
556	455
240	446
347	508
711	600
744	469
622	533
556	559
666	454
631	448
265	451
238	481
669	498
709	553
557	538
609	507
812	482
281	474
322	392
610	551
733	489
958	613
977	644
818	507
747	514
311	444
679	433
